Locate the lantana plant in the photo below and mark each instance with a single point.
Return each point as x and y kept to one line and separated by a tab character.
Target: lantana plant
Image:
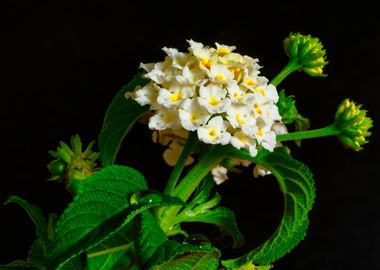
215	114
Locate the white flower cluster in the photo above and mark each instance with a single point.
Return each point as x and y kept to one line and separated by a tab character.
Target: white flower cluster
214	91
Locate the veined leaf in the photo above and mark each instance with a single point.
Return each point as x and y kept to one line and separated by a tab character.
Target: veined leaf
176	256
222	217
35	215
296	183
109	252
121	115
157	252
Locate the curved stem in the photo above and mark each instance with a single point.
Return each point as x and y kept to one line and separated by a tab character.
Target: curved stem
285	72
176	173
330	130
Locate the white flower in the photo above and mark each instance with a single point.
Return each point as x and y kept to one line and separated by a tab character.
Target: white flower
268	91
147	67
279	128
213	98
241	140
212	90
224	49
191	76
214	132
241	116
219	174
174	94
178	59
265	136
193	115
221	74
164	118
238	95
259	170
147	95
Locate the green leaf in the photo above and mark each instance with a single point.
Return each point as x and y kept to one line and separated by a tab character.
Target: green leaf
149	236
296	183
175	256
204	192
222	217
35	215
100	209
102	195
37	253
109	252
120	117
18	265
157	252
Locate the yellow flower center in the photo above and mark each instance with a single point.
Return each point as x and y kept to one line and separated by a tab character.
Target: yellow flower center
250	82
240	120
206	62
257	108
261	91
176	97
242	138
220	77
194	118
223	51
260	132
212	133
213	101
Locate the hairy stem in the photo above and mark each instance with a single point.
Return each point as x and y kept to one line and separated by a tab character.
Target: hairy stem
285	72
330	130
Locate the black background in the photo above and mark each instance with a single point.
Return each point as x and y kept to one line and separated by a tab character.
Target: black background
63	63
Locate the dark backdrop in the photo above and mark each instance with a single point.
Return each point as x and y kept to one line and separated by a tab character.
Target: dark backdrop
63	63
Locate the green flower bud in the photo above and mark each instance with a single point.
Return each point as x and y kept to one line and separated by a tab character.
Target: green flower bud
287	108
307	52
71	164
353	124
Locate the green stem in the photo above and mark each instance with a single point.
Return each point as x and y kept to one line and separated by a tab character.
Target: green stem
190	182
176	173
330	130
286	71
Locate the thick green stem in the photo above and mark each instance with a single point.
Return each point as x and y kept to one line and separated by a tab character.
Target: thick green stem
190	182
176	173
285	72
330	130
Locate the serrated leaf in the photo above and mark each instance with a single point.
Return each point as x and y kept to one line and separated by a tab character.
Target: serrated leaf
222	217
296	183
121	115
177	256
157	252
109	252
100	209
34	213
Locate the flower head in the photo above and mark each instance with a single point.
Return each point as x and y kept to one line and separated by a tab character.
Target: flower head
353	124
213	91
73	165
308	52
